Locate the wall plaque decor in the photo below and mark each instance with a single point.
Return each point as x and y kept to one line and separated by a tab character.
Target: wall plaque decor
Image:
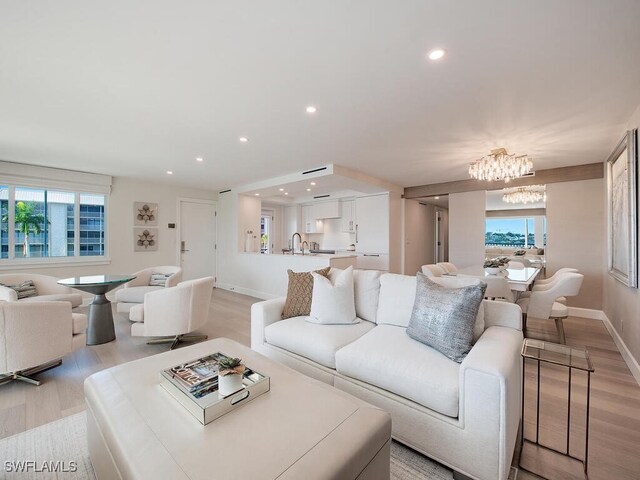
145	214
145	239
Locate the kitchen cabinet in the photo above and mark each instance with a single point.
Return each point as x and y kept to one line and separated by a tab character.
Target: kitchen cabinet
309	220
348	218
372	224
372	261
326	210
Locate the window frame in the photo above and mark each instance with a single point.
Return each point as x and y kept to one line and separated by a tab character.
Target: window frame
35	262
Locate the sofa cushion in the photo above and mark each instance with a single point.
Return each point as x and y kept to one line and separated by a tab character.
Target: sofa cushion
444	317
79	323
299	293
366	286
315	342
74	298
333	302
397	294
387	358
134	294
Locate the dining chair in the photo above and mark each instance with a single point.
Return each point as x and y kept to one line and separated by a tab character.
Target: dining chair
498	289
448	267
542	304
545	283
433	270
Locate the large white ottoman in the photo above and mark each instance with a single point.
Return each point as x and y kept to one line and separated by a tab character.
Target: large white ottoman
300	429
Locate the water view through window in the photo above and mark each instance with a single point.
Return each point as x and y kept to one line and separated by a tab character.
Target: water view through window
515	232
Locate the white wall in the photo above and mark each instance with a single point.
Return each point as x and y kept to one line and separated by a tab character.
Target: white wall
249	210
575	226
467	228
124	260
419	235
621	303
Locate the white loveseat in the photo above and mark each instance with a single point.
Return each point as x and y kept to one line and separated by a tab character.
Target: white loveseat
463	415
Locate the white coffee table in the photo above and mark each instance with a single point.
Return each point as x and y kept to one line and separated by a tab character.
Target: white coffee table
301	428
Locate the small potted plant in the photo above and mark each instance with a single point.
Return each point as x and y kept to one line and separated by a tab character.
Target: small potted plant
520	253
230	373
492	267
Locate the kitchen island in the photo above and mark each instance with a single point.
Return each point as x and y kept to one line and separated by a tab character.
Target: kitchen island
265	275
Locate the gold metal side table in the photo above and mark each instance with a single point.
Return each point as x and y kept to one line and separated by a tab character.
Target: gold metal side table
572	359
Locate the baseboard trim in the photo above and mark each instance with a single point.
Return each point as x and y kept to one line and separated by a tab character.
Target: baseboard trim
245	291
586	313
629	359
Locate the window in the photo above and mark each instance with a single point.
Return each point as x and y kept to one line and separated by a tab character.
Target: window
515	232
43	223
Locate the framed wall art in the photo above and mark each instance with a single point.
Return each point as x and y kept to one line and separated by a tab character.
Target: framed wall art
622	215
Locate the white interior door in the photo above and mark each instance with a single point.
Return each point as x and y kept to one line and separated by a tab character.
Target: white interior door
197	239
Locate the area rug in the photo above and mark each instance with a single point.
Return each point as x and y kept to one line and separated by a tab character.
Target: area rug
59	451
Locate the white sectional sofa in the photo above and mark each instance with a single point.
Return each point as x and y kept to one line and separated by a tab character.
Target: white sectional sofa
464	415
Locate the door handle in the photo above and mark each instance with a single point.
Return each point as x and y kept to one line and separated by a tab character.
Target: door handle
183	247
370	255
356	233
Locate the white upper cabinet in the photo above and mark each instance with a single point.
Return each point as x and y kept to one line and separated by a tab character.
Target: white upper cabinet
372	224
348	216
310	220
326	210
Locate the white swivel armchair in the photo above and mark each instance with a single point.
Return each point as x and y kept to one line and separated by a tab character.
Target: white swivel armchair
542	304
132	293
433	270
173	312
35	336
48	288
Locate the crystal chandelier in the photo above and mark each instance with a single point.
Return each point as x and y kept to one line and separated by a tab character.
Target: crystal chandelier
528	194
500	165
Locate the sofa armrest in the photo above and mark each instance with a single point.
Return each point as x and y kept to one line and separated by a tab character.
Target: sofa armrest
490	393
8	294
502	314
264	314
174	279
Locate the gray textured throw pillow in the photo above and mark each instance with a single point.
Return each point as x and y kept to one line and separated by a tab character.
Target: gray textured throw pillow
159	279
443	318
25	289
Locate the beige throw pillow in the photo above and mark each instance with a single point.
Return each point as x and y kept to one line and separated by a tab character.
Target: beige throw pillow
300	293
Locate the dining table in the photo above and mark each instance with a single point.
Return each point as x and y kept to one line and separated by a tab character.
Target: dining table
519	279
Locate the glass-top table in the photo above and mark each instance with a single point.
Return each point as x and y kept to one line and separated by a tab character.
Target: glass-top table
520	279
572	359
100	327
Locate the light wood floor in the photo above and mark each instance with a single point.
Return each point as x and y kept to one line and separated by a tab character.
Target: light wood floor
615	401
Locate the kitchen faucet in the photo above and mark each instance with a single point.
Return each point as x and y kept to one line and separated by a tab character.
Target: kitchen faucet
293	242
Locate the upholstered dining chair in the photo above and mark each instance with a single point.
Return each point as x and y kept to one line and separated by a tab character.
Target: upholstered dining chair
498	289
545	283
433	270
34	336
447	267
542	304
132	293
172	313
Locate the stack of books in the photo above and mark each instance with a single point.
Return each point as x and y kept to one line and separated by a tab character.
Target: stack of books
195	385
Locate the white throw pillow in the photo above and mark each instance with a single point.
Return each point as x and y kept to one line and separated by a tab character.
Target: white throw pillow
333	303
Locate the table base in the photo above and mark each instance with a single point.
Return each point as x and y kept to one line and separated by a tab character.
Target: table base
100	321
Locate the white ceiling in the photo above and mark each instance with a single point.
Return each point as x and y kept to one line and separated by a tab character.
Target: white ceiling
138	88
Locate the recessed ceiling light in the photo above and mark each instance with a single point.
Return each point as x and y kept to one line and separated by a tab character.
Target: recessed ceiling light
257	194
244	139
199	159
311	109
169	172
281	189
286	193
436	198
436	54
313	183
308	189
